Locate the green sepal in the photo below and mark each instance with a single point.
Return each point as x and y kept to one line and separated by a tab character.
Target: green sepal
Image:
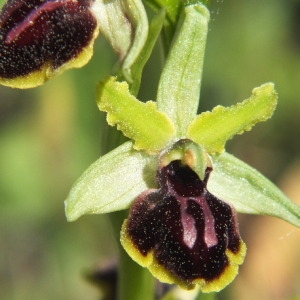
138	17
213	129
115	25
249	191
151	129
179	86
138	65
111	183
124	23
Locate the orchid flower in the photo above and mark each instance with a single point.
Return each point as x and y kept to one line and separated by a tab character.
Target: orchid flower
181	186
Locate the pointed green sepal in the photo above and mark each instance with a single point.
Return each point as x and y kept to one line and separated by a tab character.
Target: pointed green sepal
151	129
138	65
249	191
115	25
179	86
213	129
111	183
137	15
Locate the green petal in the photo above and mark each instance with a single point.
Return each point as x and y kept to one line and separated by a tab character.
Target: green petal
213	129
151	129
249	191
111	183
179	86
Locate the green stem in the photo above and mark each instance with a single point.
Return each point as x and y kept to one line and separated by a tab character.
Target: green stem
210	296
134	282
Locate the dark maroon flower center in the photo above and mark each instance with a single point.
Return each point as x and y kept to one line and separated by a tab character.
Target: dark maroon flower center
34	33
188	228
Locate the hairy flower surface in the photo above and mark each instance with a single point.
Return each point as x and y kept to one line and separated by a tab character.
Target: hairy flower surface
40	38
183	233
175	174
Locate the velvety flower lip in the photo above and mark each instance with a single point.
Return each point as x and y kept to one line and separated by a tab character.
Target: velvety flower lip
38	38
183	233
180	230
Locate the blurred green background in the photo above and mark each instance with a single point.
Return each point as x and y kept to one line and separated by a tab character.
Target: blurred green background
51	134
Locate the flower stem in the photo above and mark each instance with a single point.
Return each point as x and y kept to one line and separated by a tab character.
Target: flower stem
210	296
134	282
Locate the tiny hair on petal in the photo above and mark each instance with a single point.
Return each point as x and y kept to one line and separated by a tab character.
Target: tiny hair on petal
39	39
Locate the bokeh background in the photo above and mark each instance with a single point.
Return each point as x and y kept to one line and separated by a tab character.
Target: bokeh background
51	134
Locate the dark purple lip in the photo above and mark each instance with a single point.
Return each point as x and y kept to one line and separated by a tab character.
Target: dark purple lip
38	34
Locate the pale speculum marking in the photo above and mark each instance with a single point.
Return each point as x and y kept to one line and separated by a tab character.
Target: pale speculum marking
189	224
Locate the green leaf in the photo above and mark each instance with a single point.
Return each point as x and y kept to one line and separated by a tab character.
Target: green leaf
111	183
151	129
249	191
179	86
213	129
